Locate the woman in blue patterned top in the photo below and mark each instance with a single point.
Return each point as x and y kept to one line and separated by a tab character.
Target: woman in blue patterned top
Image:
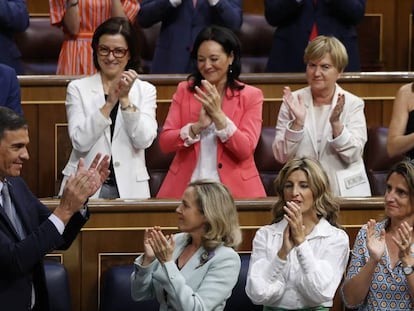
380	274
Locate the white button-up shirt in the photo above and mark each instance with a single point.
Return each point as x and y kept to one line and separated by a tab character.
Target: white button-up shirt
310	275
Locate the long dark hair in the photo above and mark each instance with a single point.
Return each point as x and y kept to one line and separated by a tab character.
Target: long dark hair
230	43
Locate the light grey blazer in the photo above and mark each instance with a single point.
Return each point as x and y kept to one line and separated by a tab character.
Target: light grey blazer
90	133
195	287
335	155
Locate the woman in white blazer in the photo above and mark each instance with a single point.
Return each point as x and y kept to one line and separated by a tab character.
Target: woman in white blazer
324	122
113	112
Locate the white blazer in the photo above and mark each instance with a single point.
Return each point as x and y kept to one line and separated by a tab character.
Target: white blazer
341	157
90	133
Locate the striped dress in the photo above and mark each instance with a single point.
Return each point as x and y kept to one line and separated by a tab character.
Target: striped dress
76	53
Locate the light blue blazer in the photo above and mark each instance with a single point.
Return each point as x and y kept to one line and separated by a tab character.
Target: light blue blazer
194	287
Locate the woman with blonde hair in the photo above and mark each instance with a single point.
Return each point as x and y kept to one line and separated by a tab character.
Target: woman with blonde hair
325	122
197	268
298	261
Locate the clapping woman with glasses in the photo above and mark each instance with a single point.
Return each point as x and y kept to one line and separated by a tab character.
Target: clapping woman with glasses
113	112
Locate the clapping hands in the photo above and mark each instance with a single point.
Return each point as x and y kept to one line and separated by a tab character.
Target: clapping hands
157	245
80	186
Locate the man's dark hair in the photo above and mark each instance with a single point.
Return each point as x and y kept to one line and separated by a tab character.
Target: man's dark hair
10	121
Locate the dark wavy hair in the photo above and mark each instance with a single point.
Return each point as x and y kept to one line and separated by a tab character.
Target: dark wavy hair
10	121
113	26
230	43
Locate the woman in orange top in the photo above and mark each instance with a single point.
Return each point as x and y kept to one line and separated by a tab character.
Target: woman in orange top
79	19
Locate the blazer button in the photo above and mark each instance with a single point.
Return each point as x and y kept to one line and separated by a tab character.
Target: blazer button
220	165
116	164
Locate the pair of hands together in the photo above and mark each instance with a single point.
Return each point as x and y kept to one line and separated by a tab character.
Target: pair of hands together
80	186
211	111
157	245
119	88
298	109
376	244
294	233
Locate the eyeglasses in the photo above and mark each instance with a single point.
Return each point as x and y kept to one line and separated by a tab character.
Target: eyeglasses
116	52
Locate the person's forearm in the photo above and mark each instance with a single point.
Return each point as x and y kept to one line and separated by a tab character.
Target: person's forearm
71	20
117	9
356	289
401	144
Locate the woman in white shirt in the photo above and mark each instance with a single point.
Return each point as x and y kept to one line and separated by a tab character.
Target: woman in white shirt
298	261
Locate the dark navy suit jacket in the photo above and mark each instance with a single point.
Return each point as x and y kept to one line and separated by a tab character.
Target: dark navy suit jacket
294	21
14	18
10	89
181	25
21	261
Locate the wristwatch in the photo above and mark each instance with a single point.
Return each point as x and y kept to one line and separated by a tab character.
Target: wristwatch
408	270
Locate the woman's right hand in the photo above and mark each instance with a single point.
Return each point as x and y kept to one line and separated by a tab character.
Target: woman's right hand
375	245
149	255
203	122
287	244
296	106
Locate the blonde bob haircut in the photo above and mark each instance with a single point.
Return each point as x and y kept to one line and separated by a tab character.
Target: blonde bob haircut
322	45
325	203
216	203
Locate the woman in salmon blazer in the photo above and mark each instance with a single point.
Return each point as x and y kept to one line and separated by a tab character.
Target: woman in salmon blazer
214	121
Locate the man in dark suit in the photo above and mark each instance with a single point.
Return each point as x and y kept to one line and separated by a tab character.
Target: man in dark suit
181	21
28	229
10	95
14	18
299	21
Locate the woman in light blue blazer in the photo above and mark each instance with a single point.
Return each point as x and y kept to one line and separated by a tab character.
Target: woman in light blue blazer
113	112
198	268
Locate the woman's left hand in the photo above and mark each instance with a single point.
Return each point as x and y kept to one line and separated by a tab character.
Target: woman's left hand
336	124
294	218
403	241
126	81
163	246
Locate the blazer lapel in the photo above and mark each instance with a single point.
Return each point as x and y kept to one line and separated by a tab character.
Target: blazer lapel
230	106
327	131
97	98
310	128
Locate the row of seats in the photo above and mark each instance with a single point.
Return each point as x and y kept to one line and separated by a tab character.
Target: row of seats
116	291
377	161
40	44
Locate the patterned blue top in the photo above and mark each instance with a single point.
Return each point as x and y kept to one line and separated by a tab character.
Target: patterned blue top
389	289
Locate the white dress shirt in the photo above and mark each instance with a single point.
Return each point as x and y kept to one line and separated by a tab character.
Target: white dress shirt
309	277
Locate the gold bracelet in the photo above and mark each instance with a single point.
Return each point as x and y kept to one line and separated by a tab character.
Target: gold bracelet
130	106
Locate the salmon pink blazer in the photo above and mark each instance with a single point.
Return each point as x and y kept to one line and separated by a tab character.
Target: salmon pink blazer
235	161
